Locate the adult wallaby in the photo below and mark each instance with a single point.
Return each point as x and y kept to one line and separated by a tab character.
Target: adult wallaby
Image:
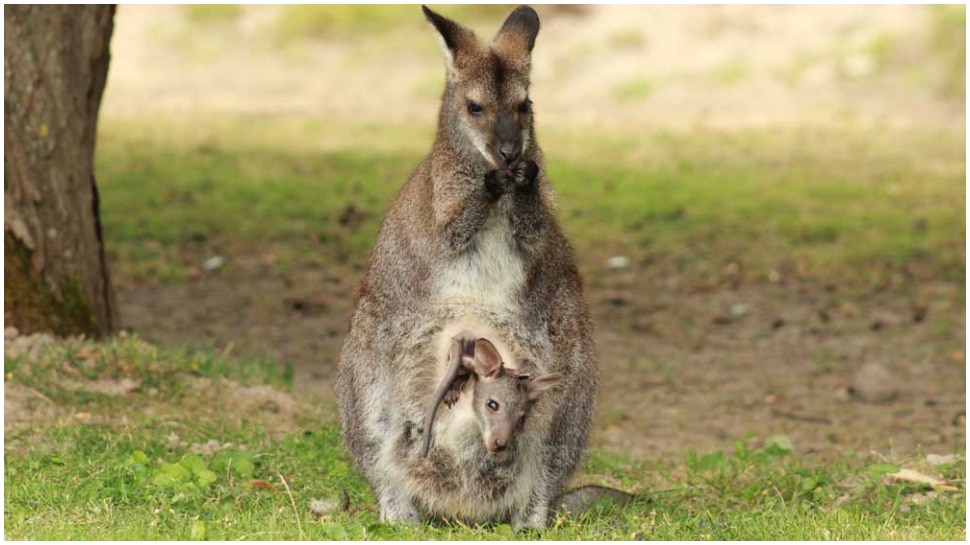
500	395
470	243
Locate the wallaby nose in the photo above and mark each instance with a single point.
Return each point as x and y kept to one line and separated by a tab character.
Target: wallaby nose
509	153
499	445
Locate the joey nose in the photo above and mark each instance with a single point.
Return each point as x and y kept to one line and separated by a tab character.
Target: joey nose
499	445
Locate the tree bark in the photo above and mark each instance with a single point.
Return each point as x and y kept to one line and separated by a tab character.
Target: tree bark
55	66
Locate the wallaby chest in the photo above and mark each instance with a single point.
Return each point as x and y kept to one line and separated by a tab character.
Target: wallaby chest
490	272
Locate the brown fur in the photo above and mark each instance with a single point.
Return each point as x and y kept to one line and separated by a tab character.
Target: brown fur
436	231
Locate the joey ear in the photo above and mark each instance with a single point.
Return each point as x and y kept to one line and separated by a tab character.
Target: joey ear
452	36
488	362
542	383
518	34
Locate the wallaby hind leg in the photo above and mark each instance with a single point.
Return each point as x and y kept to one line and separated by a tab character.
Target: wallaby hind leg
535	514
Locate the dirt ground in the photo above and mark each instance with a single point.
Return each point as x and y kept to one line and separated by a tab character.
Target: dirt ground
681	371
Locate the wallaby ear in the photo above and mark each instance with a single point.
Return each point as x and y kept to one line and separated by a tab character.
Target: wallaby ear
542	383
518	35
452	36
488	362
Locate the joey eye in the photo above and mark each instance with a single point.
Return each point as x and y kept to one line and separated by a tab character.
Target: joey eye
492	404
525	107
475	108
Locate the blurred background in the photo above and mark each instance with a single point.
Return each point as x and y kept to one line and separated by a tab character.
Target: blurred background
767	203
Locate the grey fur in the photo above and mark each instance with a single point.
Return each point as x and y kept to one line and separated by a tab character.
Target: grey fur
472	242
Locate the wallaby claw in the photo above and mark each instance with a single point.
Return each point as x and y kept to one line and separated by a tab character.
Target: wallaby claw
452	395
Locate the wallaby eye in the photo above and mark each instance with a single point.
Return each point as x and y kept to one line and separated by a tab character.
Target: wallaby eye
492	404
475	108
525	107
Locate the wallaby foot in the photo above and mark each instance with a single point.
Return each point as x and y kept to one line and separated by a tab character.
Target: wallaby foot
397	509
533	517
534	521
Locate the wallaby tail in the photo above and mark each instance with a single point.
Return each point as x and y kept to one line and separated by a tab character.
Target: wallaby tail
577	501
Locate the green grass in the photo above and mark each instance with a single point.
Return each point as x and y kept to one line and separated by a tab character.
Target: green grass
205	14
130	467
874	211
634	90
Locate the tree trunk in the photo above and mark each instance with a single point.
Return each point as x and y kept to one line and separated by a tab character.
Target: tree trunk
55	65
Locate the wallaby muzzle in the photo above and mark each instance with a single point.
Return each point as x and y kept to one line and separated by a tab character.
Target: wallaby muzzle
506	141
497	442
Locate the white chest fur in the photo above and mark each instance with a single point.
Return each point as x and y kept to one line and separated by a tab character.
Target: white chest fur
490	272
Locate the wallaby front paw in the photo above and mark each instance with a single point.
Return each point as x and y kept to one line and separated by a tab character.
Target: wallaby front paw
526	176
498	182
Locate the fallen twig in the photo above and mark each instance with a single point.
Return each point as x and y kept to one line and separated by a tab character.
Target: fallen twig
914	476
247	536
800	418
38	394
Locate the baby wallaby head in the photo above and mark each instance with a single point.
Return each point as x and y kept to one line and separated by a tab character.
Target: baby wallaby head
500	396
486	109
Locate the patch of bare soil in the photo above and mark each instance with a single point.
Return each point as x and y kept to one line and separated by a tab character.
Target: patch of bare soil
206	399
700	371
277	411
298	317
24	406
680	371
108	387
16	345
